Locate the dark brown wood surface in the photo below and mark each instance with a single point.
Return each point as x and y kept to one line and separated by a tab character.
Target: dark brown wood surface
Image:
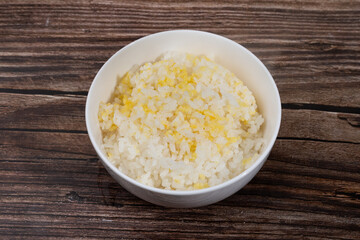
52	185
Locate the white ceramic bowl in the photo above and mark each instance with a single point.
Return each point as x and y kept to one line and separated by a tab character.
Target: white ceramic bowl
227	53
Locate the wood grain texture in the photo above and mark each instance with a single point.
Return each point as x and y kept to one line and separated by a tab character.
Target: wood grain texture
52	185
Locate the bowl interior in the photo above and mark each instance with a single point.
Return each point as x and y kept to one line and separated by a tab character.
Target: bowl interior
226	52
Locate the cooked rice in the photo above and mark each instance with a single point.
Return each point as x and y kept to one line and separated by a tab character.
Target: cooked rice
182	122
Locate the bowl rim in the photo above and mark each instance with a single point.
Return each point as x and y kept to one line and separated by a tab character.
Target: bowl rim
262	158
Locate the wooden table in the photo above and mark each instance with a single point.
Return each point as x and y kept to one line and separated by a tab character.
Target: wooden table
52	184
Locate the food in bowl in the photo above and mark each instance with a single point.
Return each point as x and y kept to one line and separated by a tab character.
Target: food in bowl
182	122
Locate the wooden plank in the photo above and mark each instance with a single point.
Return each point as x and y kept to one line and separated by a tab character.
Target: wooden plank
40	145
43	112
320	125
324	94
67	113
75	149
150	226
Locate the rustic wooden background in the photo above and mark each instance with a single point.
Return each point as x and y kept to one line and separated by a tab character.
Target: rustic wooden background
52	184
